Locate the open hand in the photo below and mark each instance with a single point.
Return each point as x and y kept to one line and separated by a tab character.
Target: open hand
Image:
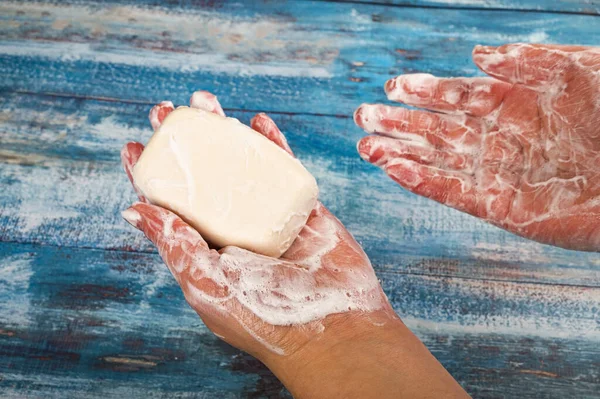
520	150
265	306
317	316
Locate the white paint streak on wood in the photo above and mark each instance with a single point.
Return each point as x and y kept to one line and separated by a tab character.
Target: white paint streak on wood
15	276
196	40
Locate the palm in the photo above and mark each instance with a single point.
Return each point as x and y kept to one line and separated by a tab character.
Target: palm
550	164
522	153
254	301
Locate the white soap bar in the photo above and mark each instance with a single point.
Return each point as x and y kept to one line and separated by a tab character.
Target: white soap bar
232	184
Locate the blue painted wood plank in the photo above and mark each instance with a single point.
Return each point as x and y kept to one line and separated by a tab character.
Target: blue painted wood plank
591	7
561	6
507	317
63	185
302	57
105	323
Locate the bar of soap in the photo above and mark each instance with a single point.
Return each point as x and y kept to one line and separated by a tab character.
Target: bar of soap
232	184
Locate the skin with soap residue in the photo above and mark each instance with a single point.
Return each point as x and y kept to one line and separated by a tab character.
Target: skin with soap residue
324	272
321	296
520	150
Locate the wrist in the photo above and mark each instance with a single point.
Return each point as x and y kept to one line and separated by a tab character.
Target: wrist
323	365
363	355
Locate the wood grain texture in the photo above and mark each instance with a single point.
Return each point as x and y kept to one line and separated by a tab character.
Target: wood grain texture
558	6
65	187
501	322
86	307
587	7
301	57
111	323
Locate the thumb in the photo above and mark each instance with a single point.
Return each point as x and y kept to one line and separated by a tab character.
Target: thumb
533	65
180	245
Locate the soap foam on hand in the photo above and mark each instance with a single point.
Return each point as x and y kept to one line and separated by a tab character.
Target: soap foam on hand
229	182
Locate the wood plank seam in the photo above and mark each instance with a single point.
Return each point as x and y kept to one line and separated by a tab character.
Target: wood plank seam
151	104
77	134
377	269
462	7
332	75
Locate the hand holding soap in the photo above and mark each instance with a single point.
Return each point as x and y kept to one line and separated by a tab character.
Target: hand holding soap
229	182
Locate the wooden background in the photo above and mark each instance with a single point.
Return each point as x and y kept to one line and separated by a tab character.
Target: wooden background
87	308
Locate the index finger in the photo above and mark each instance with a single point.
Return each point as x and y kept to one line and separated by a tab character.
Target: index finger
130	153
472	96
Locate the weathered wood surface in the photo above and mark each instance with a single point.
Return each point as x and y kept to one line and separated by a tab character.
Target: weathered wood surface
497	310
66	187
299	57
558	6
587	7
87	309
103	323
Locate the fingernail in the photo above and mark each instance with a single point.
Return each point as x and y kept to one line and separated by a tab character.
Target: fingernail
132	217
482	50
159	112
361	152
389	85
406	87
201	99
358	116
365	148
